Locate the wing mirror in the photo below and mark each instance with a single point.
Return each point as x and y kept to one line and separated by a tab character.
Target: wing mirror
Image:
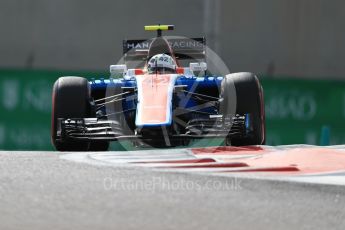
198	67
116	70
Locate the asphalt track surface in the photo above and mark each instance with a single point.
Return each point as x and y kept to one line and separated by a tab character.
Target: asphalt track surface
40	190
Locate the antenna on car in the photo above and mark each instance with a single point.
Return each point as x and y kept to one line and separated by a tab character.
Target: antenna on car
159	28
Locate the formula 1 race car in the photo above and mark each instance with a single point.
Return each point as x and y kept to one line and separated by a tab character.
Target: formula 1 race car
161	103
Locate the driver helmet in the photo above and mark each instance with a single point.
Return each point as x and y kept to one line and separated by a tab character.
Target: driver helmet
161	63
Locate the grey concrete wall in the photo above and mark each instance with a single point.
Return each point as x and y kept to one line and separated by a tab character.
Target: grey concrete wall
291	37
286	37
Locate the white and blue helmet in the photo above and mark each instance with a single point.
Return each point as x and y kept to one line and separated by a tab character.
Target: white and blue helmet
161	62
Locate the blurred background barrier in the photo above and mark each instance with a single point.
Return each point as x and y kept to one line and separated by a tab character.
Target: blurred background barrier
296	110
25	107
285	37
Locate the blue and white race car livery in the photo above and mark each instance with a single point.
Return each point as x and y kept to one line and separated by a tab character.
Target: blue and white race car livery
162	95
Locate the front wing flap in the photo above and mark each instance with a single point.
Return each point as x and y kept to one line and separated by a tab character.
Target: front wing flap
89	129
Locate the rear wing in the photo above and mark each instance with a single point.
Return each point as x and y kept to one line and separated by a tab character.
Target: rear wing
183	48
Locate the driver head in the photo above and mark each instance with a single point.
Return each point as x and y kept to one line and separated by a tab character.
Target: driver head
161	63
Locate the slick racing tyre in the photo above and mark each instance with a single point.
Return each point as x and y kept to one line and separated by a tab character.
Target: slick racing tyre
249	100
71	99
